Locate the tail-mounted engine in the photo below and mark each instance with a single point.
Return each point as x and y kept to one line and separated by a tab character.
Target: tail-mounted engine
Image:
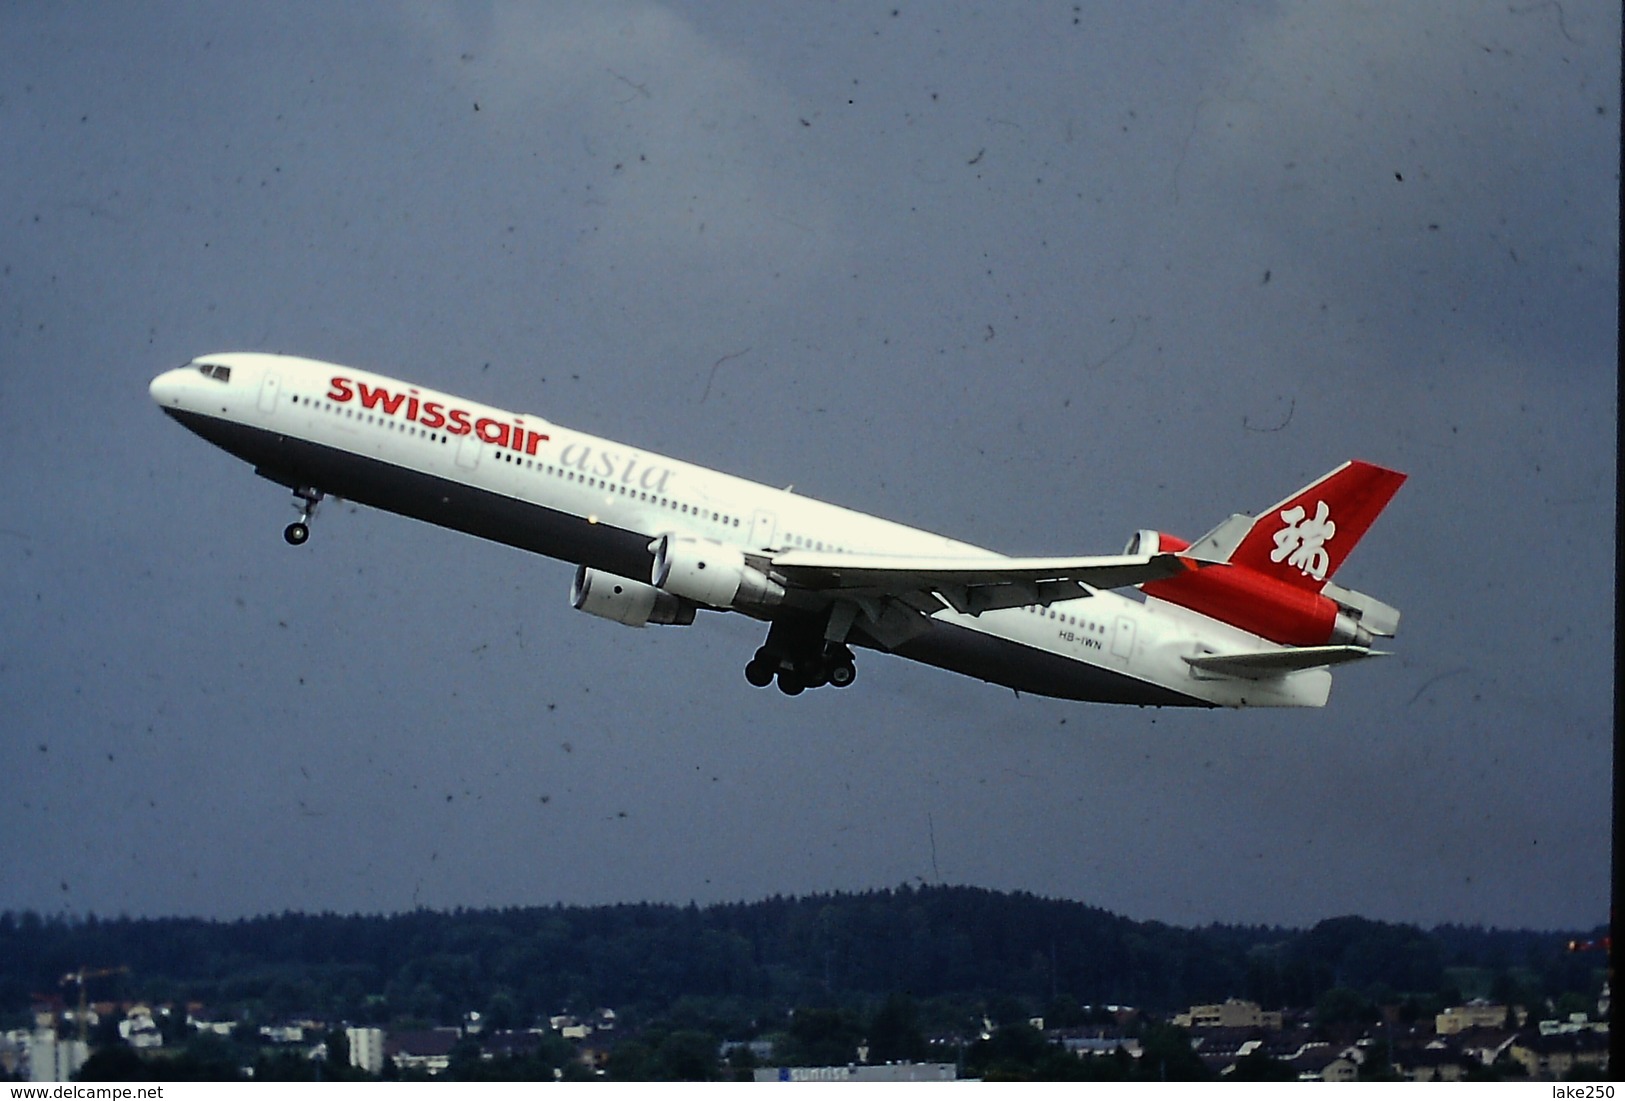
1147	541
710	573
626	601
1259	604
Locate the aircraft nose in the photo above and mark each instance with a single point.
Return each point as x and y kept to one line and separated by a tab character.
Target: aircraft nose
166	388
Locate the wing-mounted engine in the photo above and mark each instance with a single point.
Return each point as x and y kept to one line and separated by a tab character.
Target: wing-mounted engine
711	573
633	603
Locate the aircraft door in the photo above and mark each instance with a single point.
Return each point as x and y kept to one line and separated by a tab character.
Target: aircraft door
1123	637
468	451
762	526
270	386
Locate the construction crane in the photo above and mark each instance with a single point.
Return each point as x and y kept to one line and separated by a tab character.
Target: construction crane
79	978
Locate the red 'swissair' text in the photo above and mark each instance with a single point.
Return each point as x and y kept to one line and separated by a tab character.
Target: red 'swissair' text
437	415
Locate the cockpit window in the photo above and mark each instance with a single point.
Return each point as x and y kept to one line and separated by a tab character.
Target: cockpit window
215	371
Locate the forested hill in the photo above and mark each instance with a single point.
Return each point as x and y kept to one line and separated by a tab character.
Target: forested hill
929	942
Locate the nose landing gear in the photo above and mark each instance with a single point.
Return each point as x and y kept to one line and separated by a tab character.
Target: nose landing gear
298	532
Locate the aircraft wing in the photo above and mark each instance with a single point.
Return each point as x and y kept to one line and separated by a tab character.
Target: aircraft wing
968	585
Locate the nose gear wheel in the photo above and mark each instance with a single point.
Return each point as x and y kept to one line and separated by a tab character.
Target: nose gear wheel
298	532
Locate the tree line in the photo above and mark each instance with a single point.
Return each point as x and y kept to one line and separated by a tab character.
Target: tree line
735	966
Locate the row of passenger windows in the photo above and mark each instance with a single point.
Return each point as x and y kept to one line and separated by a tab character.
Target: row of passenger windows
681	507
813	544
499	454
1069	620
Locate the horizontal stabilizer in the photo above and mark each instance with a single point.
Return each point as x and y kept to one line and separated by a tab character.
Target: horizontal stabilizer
1278	663
1220	543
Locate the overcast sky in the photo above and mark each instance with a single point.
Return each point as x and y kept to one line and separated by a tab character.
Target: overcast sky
1029	275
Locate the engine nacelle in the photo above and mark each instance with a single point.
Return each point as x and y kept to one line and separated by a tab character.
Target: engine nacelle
1248	599
626	601
1147	541
710	573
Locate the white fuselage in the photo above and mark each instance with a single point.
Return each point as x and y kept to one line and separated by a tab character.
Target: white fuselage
522	480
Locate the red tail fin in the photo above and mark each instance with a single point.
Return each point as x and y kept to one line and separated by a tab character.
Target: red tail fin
1269	575
1303	540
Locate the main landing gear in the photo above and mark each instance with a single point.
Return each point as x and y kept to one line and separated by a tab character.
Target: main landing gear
799	657
834	665
297	532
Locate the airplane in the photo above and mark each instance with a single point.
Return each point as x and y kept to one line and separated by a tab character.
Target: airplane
1245	616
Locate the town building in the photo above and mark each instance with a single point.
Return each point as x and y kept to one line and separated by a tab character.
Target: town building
366	1049
1554	1057
1477	1013
1232	1013
428	1050
52	1059
139	1030
1324	1063
1433	1063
